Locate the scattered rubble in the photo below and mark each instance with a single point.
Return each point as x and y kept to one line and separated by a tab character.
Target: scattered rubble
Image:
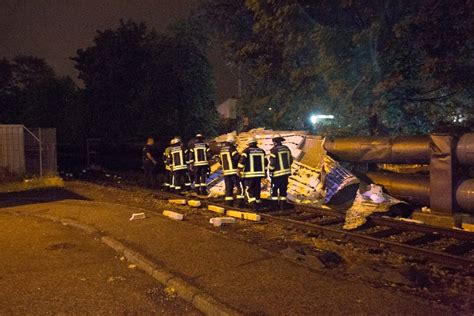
136	216
173	215
219	221
216	209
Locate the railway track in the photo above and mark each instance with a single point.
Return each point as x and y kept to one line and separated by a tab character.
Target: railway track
446	246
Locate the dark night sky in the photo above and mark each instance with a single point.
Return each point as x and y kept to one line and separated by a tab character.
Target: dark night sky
55	29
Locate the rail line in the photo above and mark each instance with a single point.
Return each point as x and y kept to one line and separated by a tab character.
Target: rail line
446	246
450	247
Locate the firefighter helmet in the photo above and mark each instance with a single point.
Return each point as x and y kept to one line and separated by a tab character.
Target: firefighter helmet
175	141
277	137
251	140
230	138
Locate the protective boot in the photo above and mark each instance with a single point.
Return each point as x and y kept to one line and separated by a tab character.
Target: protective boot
203	190
229	203
273	205
240	203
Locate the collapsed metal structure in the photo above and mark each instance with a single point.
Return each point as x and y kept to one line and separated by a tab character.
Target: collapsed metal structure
446	189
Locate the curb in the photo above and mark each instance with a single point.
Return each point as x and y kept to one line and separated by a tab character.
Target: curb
191	294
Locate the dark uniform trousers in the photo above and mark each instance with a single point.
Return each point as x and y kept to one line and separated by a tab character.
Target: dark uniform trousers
179	179
253	189
150	174
231	182
279	187
200	176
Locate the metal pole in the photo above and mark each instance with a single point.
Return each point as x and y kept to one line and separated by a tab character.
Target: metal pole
40	153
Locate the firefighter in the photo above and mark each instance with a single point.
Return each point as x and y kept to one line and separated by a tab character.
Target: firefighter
149	163
177	160
280	170
251	168
229	159
168	173
199	156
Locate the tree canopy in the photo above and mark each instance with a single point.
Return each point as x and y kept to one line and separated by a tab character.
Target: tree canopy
378	66
138	81
32	94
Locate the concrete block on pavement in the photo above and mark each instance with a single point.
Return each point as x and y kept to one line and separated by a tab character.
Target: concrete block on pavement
244	215
178	201
137	216
219	221
216	209
173	215
194	203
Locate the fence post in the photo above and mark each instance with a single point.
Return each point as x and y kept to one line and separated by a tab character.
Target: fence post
40	152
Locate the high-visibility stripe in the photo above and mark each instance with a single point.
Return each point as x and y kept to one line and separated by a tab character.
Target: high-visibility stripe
251	200
230	172
244	154
229	198
274	198
235	153
258	201
282	198
281	173
197	185
253	174
272	155
241	166
240	197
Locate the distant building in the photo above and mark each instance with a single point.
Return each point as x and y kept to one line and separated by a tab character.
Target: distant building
228	109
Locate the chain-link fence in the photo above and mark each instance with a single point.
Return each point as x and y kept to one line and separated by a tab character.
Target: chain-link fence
40	151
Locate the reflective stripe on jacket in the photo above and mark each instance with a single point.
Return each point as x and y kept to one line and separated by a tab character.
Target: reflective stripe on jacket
177	160
229	158
280	161
252	163
199	154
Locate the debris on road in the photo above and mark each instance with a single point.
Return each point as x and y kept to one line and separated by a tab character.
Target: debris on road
173	215
136	216
244	215
216	209
178	201
194	203
219	221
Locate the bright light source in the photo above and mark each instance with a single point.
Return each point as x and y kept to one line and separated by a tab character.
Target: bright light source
315	118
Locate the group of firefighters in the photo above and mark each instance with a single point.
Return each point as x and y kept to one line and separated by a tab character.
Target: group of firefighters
242	171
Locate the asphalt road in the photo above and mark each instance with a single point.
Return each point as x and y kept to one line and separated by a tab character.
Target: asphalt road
47	268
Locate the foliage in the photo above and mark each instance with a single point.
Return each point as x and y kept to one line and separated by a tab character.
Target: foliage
138	81
33	95
378	66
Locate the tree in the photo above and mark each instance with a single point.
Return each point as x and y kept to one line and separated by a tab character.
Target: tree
138	81
32	94
378	66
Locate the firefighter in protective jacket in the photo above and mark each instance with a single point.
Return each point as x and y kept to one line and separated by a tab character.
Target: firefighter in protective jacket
229	159
280	170
251	168
177	161
199	156
168	172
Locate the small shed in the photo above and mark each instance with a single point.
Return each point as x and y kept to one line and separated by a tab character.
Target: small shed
12	148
